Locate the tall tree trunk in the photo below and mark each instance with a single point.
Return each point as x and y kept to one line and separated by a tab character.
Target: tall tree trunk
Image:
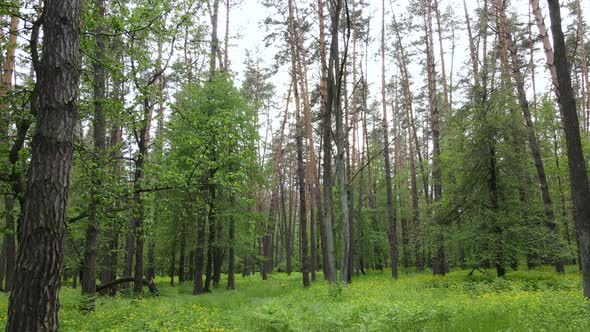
337	83
439	259
139	211
287	235
34	302
99	132
211	241
110	256
278	152
391	221
8	245
577	165
330	92
312	170
299	143
231	257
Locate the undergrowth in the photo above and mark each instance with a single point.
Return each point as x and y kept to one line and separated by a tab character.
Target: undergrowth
537	300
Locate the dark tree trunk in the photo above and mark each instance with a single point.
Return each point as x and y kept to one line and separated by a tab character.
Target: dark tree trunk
99	131
181	258
211	244
577	165
231	257
34	302
302	210
287	234
199	255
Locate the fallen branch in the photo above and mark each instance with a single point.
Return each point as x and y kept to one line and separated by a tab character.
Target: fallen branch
114	283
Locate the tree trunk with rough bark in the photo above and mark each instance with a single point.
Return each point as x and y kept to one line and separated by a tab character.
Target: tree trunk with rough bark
34	302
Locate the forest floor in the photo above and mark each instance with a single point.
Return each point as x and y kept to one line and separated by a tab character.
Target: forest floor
537	300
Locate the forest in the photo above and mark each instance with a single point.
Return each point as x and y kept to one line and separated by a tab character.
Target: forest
294	165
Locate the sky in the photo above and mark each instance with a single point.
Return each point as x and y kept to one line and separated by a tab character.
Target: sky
247	31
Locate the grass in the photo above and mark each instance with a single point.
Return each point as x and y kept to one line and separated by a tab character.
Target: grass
523	301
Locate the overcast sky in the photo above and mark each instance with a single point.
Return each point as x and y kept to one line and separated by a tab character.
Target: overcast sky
247	31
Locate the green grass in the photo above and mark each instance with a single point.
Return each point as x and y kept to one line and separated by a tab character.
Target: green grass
524	301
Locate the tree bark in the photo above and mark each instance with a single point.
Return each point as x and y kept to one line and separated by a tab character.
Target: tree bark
577	165
34	302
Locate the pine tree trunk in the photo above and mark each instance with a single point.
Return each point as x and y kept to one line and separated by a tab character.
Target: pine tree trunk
577	165
439	259
391	222
34	302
